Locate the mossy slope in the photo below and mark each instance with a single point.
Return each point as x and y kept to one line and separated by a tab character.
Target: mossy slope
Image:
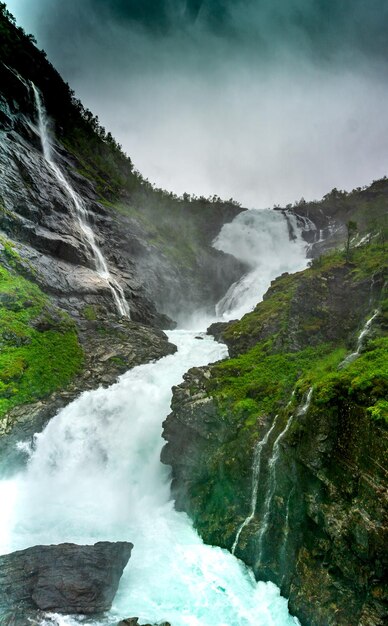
39	348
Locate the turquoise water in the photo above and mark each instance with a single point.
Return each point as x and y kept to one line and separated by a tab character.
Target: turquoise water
95	474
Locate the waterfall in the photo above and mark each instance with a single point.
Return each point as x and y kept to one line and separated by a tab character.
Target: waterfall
272	478
79	210
255	483
261	240
95	474
360	341
283	550
305	407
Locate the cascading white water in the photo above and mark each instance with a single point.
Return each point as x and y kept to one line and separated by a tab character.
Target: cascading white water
306	405
95	474
261	240
80	211
360	341
255	483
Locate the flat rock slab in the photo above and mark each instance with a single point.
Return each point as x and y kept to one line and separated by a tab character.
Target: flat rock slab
134	621
65	578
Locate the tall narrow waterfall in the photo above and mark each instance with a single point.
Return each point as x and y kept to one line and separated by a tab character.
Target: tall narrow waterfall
79	210
255	483
272	478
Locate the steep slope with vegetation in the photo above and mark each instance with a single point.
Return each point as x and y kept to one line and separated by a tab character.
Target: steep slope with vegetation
157	244
60	332
288	416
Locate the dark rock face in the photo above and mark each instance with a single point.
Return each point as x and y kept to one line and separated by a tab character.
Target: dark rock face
65	578
326	540
37	213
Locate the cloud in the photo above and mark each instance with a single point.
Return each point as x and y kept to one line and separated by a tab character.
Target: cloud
263	100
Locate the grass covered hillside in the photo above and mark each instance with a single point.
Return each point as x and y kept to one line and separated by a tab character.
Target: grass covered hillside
39	348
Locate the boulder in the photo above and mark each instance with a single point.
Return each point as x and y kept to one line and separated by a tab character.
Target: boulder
65	578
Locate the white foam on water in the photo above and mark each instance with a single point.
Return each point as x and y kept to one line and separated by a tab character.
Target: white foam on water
95	474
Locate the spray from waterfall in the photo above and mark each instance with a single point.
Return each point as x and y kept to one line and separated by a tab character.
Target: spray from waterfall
360	341
80	212
255	483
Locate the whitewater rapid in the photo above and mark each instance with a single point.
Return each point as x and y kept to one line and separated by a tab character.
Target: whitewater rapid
94	473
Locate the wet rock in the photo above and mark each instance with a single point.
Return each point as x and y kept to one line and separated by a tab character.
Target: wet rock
65	578
134	621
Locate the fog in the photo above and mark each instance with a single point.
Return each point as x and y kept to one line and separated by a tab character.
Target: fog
263	101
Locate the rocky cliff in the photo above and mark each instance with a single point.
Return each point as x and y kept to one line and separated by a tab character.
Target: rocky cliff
279	453
60	332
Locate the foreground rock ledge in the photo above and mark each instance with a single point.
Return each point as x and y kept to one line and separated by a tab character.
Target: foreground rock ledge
65	578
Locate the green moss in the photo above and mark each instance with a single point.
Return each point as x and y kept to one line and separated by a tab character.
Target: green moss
270	314
260	379
364	382
10	252
39	348
257	383
89	312
119	361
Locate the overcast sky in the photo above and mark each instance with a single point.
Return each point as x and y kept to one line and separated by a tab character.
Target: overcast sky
262	100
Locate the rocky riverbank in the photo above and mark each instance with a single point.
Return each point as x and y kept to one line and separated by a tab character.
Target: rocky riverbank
285	417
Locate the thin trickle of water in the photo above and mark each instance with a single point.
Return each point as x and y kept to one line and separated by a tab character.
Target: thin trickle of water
272	478
80	211
283	550
261	240
255	483
360	341
305	406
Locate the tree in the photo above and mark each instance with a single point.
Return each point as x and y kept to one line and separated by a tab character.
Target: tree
351	228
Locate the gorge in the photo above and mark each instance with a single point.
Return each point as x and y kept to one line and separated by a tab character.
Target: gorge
276	454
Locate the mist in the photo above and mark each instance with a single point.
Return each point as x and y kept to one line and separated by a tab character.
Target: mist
264	102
